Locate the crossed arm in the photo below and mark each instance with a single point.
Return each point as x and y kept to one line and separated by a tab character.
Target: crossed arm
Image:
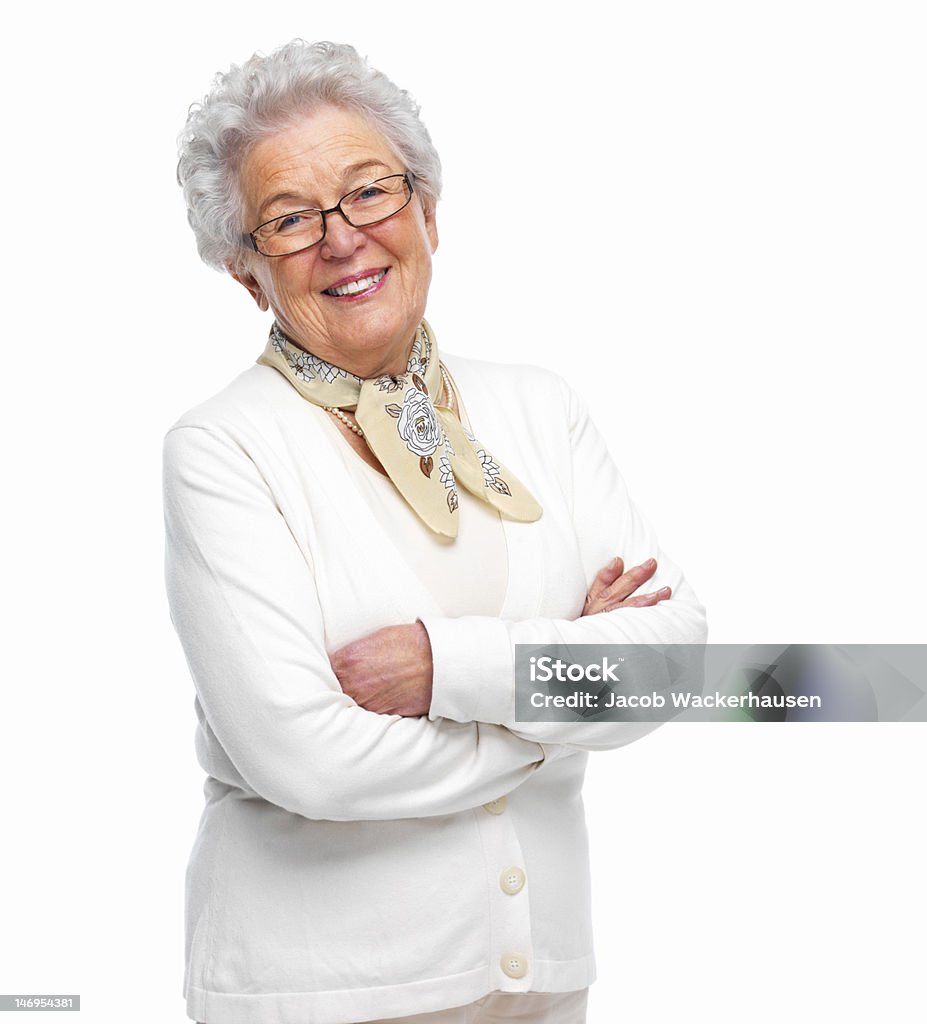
391	671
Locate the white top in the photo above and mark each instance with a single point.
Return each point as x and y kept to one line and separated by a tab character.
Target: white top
349	865
466	576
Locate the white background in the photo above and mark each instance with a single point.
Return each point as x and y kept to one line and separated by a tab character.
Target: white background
710	218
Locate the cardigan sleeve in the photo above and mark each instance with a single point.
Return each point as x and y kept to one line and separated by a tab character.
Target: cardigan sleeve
277	724
474	655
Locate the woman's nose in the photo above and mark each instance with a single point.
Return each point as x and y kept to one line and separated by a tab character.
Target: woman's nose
341	238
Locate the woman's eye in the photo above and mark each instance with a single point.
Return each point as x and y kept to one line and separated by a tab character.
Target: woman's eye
288	223
370	192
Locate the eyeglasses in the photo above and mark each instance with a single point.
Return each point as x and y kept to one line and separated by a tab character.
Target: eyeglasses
367	205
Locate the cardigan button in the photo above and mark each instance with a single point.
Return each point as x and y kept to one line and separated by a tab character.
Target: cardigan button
512	880
514	965
496	806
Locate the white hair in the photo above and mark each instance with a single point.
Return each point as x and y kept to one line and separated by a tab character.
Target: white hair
266	94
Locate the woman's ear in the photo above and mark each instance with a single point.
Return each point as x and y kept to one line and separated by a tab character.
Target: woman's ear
249	282
431	227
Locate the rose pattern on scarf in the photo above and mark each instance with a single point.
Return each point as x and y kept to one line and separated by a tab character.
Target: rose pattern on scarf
418	426
389	383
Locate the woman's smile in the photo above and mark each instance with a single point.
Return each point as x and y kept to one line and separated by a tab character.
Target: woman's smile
358	286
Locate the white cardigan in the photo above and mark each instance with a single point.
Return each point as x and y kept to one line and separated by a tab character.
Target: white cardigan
349	865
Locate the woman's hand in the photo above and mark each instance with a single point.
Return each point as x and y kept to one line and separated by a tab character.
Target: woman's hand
612	588
389	671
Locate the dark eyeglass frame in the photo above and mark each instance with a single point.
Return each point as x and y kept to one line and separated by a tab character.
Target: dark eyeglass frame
250	241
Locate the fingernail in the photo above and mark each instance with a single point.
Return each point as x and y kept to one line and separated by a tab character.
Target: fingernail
649	564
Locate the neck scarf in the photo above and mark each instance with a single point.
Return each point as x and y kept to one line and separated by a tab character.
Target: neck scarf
423	447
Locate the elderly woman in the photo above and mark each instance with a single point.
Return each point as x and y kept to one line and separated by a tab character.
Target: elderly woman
359	530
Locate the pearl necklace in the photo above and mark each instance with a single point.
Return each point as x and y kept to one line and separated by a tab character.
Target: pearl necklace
338	414
448	388
448	396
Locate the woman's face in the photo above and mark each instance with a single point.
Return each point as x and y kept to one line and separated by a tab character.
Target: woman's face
311	166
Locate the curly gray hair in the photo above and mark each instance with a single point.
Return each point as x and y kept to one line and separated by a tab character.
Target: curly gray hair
268	93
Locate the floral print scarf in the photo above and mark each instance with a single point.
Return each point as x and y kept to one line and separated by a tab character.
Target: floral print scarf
424	448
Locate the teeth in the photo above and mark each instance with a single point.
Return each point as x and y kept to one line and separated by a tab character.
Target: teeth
354	287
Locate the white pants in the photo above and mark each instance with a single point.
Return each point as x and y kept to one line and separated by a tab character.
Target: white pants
526	1007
